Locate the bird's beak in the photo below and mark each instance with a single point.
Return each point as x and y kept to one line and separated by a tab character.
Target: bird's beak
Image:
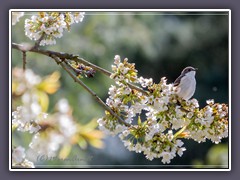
196	69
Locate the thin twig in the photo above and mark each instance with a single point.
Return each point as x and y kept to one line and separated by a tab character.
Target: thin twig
95	67
38	41
24	60
67	67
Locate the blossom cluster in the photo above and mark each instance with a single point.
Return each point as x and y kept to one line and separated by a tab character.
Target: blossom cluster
157	117
29	113
26	118
50	25
56	131
52	134
81	69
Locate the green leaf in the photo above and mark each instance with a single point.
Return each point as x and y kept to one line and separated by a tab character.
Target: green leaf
82	142
139	120
65	151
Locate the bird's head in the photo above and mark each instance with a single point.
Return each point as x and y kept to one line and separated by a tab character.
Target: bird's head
189	70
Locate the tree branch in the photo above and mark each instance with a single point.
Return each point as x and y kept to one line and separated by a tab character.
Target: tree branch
66	66
76	58
38	41
61	57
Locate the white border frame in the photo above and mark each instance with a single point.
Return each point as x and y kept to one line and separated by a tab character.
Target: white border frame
118	10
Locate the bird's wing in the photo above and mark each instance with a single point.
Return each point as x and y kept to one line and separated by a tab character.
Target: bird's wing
177	81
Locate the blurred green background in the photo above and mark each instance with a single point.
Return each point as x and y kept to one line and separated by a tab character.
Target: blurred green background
160	44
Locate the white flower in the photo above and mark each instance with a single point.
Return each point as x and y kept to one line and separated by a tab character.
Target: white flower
166	157
150	156
190	115
180	151
138	148
121	136
47	145
179	112
167	89
28	164
127	143
222	114
67	125
215	139
170	134
119	128
112	90
126	90
123	69
148	136
154	129
125	133
117	59
159	105
27	118
18	158
136	108
63	106
31	78
18	155
34	128
219	108
179	143
210	101
78	17
129	119
47	42
21	118
35	108
16	16
207	121
116	102
145	82
41	117
100	122
151	114
195	103
209	111
177	123
150	99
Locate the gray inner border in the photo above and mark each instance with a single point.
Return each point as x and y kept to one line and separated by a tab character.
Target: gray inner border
214	4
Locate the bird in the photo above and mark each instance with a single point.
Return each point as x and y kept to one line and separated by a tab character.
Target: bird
185	84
